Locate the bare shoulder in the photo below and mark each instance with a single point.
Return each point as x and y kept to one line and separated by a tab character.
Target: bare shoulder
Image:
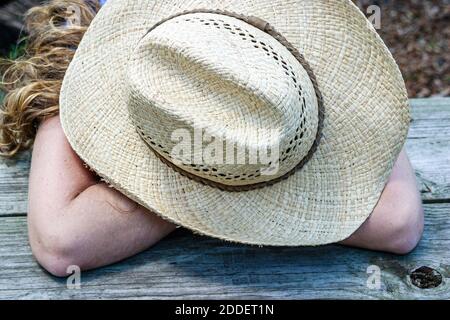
52	123
50	139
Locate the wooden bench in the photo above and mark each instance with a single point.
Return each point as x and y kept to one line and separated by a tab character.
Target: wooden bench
190	266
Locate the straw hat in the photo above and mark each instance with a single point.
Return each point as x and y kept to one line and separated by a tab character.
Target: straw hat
266	122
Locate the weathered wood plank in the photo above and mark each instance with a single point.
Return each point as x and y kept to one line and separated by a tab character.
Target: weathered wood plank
14	185
186	266
428	146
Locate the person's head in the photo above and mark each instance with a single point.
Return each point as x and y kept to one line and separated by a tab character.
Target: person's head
32	82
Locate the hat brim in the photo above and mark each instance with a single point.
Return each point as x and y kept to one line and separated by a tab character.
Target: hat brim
365	127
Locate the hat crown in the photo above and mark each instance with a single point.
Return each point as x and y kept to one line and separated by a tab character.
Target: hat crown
221	99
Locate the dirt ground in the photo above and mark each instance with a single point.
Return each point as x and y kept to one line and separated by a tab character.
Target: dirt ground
416	31
418	35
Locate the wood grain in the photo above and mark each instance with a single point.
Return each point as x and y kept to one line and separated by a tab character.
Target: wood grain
428	146
14	185
187	266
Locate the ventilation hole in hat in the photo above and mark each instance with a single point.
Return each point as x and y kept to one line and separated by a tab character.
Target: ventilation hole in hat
214	172
294	143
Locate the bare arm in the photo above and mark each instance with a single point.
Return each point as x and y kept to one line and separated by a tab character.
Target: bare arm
76	220
396	224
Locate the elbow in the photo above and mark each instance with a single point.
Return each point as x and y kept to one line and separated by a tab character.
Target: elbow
57	252
55	263
406	230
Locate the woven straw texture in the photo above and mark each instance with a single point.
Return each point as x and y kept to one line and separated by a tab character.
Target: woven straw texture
127	85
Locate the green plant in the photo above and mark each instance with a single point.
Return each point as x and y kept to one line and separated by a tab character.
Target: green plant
17	50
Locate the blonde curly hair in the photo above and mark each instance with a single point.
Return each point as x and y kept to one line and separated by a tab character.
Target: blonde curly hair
32	82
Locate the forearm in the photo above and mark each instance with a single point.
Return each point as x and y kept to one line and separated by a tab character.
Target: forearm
98	227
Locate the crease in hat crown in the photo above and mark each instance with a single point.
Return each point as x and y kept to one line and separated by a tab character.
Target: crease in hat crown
229	82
